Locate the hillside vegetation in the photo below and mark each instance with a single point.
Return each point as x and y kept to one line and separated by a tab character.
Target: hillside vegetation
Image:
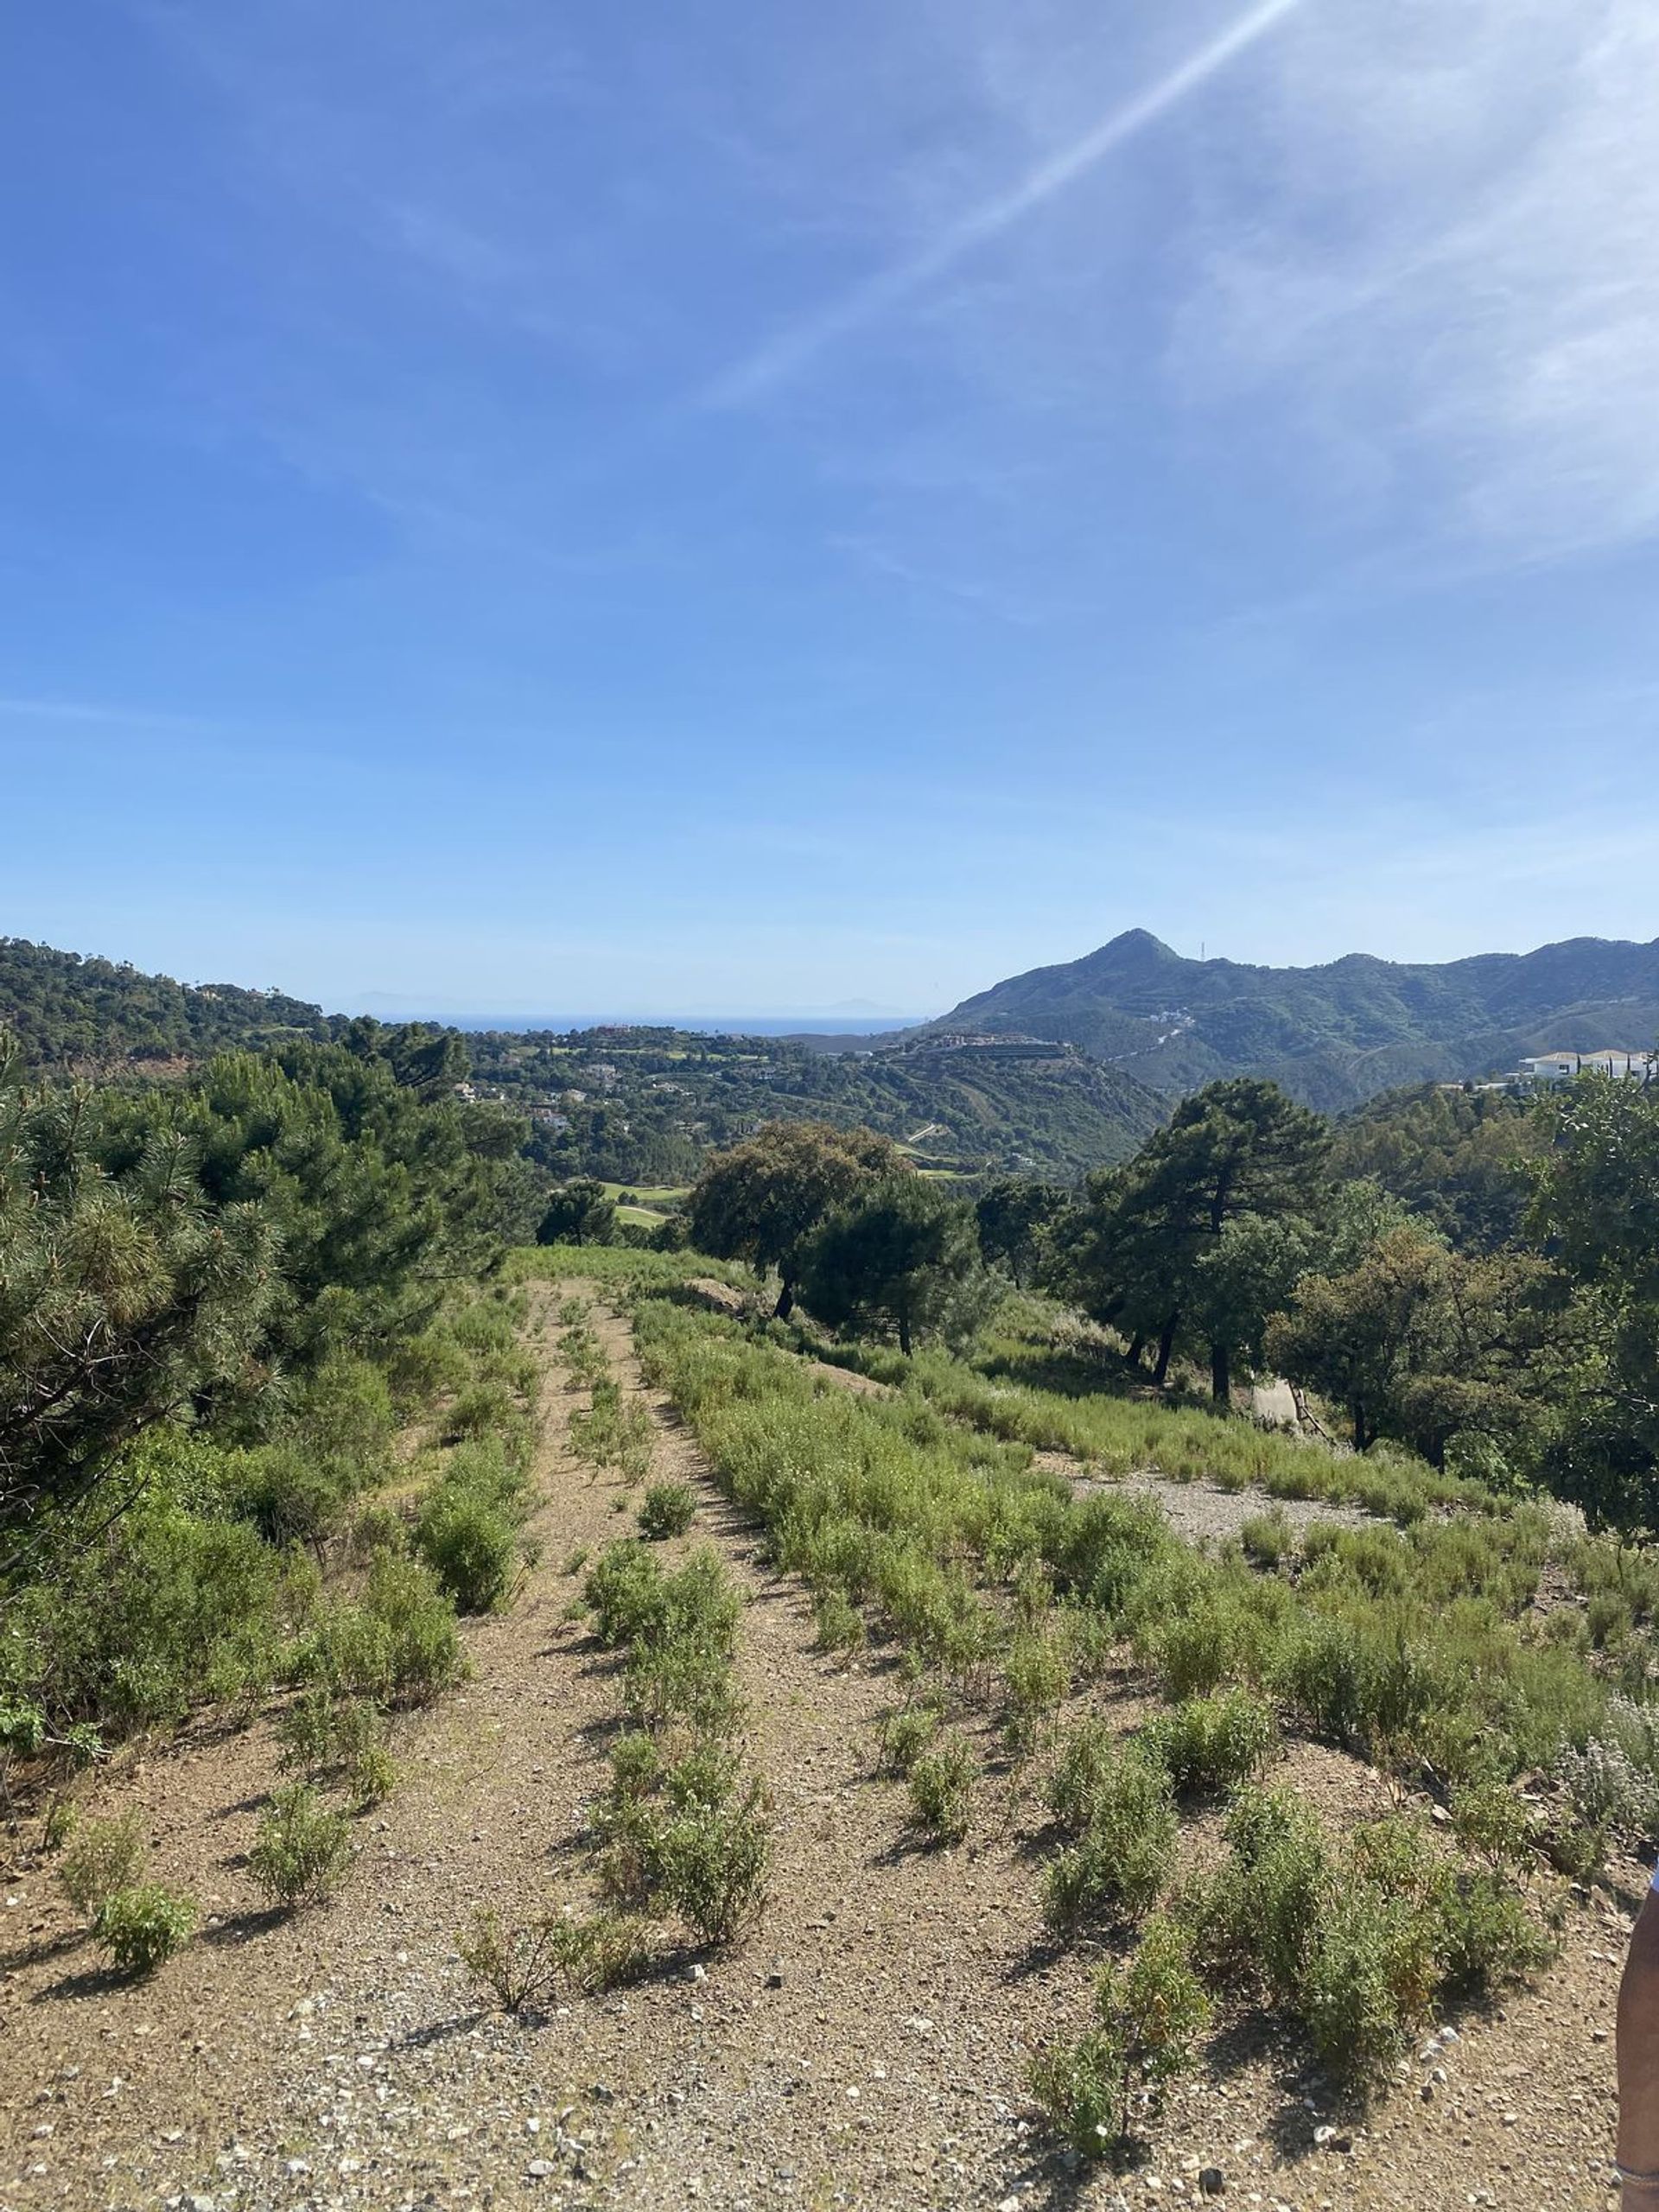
65	1009
852	1648
1332	1035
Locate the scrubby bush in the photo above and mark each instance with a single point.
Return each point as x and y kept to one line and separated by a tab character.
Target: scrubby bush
300	1847
1035	1678
942	1788
341	1738
905	1735
525	1963
710	1858
1123	1807
470	1545
398	1645
1268	1538
1149	2013
838	1621
625	1589
667	1510
1213	1743
102	1857
1490	1821
141	1928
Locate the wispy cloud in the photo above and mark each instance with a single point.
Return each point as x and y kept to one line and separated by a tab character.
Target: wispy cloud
792	349
1452	277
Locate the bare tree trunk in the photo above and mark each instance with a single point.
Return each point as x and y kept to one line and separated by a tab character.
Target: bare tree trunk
1221	1372
785	1304
1137	1345
1165	1346
904	1334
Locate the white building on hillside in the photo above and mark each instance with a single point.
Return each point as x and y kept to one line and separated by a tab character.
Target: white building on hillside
1561	1067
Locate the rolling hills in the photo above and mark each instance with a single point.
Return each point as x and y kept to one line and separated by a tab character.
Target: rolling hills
1332	1035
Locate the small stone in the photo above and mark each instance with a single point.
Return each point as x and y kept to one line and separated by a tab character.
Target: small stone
533	2128
1212	2181
538	2169
775	1979
601	2096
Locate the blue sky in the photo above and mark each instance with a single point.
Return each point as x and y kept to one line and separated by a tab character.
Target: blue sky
739	510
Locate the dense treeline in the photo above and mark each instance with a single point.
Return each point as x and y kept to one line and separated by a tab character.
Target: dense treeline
220	1302
63	1008
1502	1323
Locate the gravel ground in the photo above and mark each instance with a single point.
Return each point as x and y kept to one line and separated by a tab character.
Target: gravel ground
864	2046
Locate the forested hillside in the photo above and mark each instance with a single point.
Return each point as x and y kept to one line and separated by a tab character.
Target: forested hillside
65	1009
644	1105
1332	1035
632	1104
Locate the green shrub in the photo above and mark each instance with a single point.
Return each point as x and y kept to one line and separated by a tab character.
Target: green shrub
141	1928
1269	1538
1036	1678
1087	1757
905	1735
1490	1819
300	1847
625	1589
523	1964
942	1788
636	1767
1126	1848
102	1857
1149	2012
61	1823
1370	1978
1262	1911
840	1624
709	1859
398	1646
470	1545
1484	1937
667	1510
1213	1744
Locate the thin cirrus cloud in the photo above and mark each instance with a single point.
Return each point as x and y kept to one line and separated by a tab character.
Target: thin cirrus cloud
1450	282
794	349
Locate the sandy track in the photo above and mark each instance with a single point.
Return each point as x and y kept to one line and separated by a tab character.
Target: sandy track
864	2046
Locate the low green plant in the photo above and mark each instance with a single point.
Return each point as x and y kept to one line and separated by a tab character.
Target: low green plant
706	1854
471	1546
300	1847
942	1788
1213	1744
61	1821
1148	2015
625	1590
905	1735
1490	1821
398	1645
839	1622
523	1964
101	1857
142	1926
1035	1679
1120	1804
1268	1538
667	1510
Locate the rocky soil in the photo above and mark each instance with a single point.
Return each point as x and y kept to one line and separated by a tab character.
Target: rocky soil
864	2046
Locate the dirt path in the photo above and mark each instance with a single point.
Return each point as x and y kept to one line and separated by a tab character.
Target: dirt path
865	2047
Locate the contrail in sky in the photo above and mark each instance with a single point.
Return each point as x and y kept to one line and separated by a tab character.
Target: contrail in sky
791	349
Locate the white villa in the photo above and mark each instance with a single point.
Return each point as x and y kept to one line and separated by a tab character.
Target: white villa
1561	1067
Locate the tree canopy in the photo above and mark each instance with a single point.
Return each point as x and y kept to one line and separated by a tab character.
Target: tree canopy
762	1199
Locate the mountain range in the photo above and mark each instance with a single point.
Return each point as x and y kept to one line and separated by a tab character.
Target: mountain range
1332	1035
1134	1025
